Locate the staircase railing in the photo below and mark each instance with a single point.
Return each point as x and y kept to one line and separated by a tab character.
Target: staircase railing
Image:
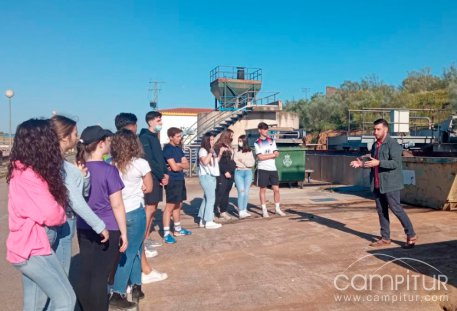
210	123
246	102
192	155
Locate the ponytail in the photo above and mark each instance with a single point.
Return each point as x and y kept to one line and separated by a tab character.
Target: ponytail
83	151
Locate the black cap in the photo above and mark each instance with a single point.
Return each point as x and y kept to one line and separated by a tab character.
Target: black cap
94	133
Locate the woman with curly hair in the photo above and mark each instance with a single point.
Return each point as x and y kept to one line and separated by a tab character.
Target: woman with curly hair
126	152
77	182
97	259
36	199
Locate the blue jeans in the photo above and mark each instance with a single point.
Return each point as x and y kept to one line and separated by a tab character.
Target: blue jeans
208	184
391	200
129	267
60	239
243	181
62	245
47	274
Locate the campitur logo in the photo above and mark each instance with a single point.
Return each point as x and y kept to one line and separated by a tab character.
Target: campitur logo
382	285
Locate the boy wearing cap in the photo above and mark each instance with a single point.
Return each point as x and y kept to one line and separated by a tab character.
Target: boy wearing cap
176	188
267	174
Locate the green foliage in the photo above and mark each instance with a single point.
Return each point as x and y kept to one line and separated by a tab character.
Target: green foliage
419	90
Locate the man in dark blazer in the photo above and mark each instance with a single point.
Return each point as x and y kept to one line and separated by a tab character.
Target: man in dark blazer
386	182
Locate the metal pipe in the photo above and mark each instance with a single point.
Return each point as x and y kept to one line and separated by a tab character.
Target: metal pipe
11	135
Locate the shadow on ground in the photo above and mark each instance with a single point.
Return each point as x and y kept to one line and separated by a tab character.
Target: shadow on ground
359	191
333	224
433	259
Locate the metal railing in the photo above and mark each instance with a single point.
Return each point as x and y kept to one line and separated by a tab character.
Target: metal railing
248	98
235	72
191	153
209	124
365	122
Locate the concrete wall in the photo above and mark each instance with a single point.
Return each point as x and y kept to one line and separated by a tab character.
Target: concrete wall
433	182
182	122
336	169
277	118
429	182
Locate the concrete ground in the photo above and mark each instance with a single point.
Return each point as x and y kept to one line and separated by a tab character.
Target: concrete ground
305	261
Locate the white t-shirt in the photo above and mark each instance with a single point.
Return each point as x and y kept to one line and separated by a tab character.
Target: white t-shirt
212	168
266	146
132	194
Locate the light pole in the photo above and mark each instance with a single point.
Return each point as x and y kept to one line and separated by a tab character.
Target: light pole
10	94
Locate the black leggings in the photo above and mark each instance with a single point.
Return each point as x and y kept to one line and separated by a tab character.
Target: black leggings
96	263
223	187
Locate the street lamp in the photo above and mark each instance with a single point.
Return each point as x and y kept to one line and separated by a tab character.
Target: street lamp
10	94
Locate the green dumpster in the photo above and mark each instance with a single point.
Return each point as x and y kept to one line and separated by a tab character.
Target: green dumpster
291	165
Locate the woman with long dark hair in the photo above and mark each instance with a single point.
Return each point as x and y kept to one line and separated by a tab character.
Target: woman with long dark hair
227	167
245	161
36	200
208	170
105	199
77	182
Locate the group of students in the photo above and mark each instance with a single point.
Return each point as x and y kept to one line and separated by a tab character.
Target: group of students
108	198
220	166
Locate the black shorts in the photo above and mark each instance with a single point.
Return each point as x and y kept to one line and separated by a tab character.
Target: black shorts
156	195
267	178
176	191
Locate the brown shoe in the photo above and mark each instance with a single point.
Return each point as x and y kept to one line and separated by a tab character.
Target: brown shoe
380	243
410	242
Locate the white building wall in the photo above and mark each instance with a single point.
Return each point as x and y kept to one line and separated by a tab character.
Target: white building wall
182	122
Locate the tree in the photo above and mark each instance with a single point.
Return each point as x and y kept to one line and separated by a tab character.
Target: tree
420	89
422	81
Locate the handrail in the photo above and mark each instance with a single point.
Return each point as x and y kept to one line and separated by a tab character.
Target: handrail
211	122
193	158
417	113
231	72
216	119
195	125
253	101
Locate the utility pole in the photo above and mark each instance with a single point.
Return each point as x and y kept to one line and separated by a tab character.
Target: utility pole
154	88
10	94
305	90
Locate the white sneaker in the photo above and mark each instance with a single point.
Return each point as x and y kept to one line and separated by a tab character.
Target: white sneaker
151	244
212	225
279	212
150	253
244	214
201	224
226	216
265	213
153	276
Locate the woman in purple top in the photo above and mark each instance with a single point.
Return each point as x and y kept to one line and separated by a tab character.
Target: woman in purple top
105	199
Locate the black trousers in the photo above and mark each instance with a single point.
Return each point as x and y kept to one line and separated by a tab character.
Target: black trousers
96	263
391	200
223	187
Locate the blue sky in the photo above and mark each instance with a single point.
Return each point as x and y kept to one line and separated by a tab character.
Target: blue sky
92	59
